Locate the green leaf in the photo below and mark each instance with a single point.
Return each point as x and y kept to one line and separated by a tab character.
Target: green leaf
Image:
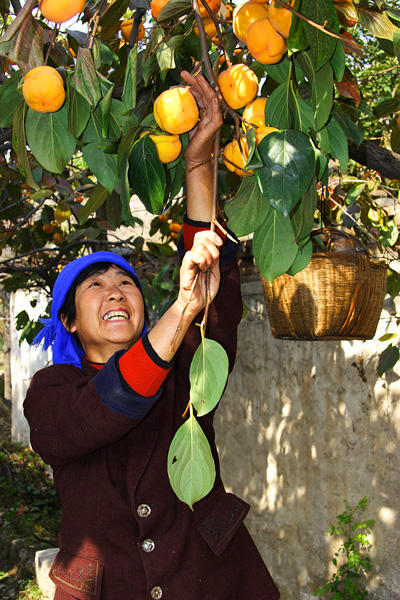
190	464
393	282
297	40
396	44
322	45
85	79
274	246
302	259
302	215
49	140
146	175
105	111
208	375
387	107
173	9
94	202
377	23
301	112
124	152
350	129
26	45
388	234
115	10
388	359
338	62
78	112
10	97
289	164
338	145
130	81
248	209
322	88
280	72
19	144
103	165
277	109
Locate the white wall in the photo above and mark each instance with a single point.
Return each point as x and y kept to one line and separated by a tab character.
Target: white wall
25	361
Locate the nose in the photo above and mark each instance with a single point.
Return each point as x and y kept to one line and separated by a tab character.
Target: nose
115	293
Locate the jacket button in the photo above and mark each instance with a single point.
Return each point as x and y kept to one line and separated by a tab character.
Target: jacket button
148	546
143	510
156	592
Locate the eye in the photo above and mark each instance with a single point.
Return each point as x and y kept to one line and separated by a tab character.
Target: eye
94	283
126	282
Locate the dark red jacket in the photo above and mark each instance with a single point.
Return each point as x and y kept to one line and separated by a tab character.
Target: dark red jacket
124	534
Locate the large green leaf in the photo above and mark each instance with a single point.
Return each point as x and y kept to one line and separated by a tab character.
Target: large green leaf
78	112
274	246
322	45
388	359
288	166
85	79
248	209
338	145
301	112
173	9
350	129
94	202
124	152
302	215
146	175
302	259
377	23
208	375
104	166
322	88
19	144
277	109
26	46
130	81
10	97
190	463
49	140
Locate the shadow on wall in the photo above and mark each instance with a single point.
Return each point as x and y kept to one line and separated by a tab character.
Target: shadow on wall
303	426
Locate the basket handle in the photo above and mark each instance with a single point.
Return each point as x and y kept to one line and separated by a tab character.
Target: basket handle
362	294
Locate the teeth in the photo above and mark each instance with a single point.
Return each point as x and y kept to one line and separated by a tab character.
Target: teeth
116	315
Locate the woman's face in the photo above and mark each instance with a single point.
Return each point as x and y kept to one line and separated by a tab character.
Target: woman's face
109	314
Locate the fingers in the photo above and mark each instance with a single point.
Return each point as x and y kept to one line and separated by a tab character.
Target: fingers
204	94
205	251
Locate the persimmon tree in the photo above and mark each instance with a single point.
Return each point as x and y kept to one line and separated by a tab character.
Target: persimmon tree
324	149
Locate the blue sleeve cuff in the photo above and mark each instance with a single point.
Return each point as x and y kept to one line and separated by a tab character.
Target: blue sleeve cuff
123	401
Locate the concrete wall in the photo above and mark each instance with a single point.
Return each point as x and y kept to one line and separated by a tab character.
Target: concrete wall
303	426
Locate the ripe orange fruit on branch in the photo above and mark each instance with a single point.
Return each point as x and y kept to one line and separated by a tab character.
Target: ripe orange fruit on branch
215	5
237	157
209	27
175	110
264	43
156	6
254	113
126	28
261	132
59	11
238	85
245	15
168	147
43	89
281	18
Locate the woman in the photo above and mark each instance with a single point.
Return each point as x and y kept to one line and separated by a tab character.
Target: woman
104	415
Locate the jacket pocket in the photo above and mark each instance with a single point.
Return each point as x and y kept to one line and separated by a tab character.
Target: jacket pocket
219	523
78	575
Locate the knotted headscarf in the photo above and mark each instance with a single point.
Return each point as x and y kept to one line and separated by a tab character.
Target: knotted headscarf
66	349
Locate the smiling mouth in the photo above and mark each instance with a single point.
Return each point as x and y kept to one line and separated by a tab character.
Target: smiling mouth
116	315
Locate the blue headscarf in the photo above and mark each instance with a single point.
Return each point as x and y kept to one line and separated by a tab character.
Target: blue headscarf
65	348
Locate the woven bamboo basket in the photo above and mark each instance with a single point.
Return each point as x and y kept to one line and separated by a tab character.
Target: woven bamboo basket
336	297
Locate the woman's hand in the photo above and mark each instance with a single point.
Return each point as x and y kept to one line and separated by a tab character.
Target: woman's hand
203	256
200	145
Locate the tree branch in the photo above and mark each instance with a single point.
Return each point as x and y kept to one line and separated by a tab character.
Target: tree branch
382	160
